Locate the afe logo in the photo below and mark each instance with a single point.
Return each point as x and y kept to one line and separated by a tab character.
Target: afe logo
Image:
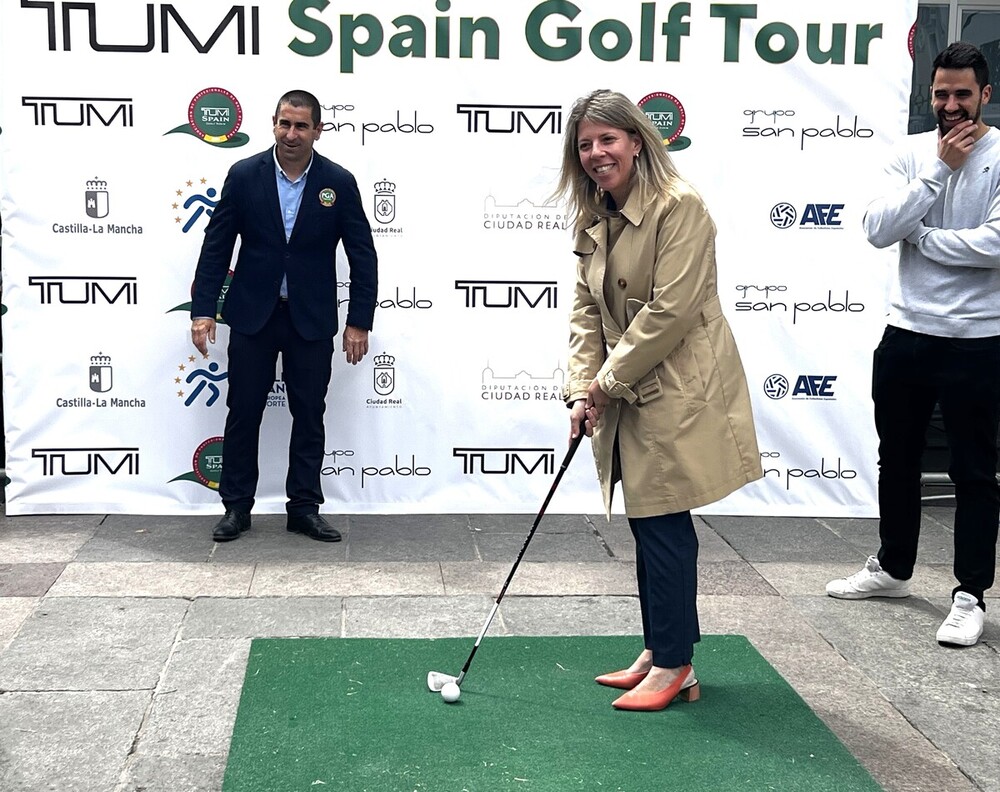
815	386
821	215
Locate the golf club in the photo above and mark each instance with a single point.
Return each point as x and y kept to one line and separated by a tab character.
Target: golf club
436	679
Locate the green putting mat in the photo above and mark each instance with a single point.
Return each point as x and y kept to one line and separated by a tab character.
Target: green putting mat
355	714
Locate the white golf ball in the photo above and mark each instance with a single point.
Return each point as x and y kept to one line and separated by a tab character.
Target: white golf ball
450	692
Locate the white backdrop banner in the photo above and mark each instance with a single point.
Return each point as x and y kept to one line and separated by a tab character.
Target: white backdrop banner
120	120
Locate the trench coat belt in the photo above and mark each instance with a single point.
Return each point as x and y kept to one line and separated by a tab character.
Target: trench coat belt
711	309
649	388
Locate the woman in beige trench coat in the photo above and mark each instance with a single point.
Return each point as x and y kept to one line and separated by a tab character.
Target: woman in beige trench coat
654	373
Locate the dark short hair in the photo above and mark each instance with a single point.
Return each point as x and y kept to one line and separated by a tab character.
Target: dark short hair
300	99
961	55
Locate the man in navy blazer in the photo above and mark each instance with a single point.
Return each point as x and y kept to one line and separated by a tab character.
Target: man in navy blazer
291	208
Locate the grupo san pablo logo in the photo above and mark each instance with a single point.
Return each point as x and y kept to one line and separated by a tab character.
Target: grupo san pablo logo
774	123
214	117
667	114
828	472
206	464
771	298
371	126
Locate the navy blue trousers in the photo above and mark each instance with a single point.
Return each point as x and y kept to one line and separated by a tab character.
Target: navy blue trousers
911	372
666	561
306	367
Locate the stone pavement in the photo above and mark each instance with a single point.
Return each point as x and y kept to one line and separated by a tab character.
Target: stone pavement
123	639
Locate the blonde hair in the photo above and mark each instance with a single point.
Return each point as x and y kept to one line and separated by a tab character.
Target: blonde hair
654	172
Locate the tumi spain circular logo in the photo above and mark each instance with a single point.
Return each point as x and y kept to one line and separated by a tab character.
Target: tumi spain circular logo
667	114
207	462
215	115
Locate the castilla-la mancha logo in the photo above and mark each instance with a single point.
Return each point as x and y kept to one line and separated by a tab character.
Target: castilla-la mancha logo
206	464
100	373
96	198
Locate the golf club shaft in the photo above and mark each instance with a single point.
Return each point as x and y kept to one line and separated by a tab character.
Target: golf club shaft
496	605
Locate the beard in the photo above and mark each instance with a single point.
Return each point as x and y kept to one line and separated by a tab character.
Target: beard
945	126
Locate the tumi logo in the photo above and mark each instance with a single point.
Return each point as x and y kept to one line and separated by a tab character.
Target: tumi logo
88	461
509	294
80	111
502	119
86	289
506	461
64	18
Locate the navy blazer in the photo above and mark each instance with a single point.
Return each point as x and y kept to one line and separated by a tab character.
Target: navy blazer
249	208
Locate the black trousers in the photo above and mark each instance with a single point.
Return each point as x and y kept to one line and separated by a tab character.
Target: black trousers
911	373
306	367
666	560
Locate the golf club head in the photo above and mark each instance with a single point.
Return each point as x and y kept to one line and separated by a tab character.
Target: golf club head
436	680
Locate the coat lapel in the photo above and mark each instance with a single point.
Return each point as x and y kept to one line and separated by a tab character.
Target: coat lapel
599	268
270	207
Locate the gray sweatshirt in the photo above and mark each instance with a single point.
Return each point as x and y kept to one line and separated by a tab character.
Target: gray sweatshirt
947	224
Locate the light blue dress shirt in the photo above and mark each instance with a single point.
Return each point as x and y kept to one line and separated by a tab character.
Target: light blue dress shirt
290	199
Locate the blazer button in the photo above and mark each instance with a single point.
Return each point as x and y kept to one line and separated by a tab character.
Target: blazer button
622	283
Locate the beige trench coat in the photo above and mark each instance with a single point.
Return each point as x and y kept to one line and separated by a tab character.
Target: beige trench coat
648	324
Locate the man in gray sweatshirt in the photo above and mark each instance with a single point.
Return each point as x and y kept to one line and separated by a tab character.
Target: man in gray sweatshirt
942	342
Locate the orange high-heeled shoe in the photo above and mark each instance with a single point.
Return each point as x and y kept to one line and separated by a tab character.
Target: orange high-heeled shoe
623	680
684	686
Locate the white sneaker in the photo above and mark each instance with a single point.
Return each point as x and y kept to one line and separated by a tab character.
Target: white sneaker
872	581
964	624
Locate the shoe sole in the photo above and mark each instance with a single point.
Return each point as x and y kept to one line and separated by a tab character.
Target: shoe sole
313	536
856	595
957	644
